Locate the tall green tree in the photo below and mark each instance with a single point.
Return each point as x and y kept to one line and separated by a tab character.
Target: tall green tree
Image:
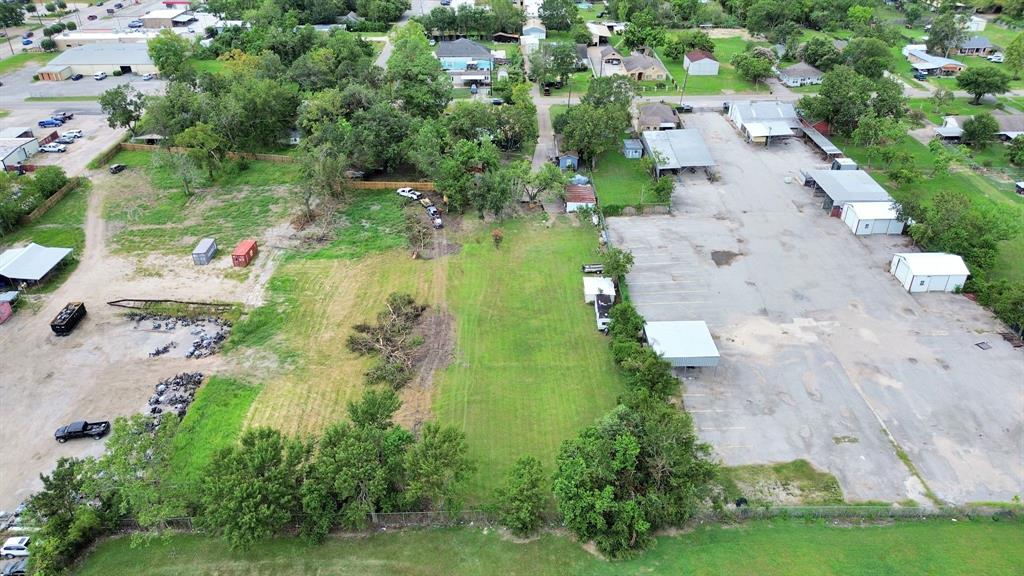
981	80
1014	56
843	98
437	467
947	32
170	52
868	57
687	41
206	147
558	14
821	53
617	263
643	31
418	83
617	91
980	130
521	499
889	100
376	140
11	14
123	106
751	67
593	130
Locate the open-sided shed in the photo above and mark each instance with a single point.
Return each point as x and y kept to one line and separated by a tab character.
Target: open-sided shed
844	186
677	149
683	343
31	263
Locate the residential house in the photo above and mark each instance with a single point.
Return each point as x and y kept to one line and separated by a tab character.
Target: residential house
535	27
934	65
656	116
466	61
952	127
976	46
800	74
700	63
1010	125
641	67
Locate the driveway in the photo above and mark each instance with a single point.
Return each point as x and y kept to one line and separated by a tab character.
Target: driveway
824	356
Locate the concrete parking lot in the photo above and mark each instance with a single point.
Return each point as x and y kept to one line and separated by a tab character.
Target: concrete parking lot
824	355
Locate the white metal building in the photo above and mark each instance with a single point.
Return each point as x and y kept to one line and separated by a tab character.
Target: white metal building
683	343
865	218
762	121
14	151
106	57
700	63
594	285
929	271
30	263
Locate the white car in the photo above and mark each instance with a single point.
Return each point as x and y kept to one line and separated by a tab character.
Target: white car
16	546
72	134
148	76
409	193
99	75
53	148
996	58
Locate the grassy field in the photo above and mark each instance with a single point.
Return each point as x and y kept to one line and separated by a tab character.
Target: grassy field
727	81
238	204
577	86
797	478
62	98
934	548
63	226
11	64
620	181
530	368
1010	260
958	107
211	66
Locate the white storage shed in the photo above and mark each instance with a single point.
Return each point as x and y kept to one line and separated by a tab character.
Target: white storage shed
929	271
594	285
865	218
683	343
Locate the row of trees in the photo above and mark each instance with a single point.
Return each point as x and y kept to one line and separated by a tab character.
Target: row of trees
288	13
20	195
503	16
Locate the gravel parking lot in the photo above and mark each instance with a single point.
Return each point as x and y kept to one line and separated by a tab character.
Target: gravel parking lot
824	355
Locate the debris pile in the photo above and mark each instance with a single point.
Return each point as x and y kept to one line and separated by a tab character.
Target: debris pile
163	349
209	333
174	394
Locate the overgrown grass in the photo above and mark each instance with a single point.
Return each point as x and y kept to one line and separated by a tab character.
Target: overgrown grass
530	368
62	98
726	80
213	421
620	182
958	107
798	477
211	66
11	64
373	222
935	548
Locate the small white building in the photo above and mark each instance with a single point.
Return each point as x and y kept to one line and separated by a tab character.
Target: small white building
595	285
929	271
700	63
866	218
15	151
975	24
683	343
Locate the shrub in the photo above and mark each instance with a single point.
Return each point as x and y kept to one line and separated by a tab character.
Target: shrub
117	73
48	45
521	500
70	26
48	180
50	7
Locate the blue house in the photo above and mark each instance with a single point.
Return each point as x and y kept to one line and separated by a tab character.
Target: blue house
464	54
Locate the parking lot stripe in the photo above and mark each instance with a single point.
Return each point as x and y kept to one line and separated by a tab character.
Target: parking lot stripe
713	428
713	410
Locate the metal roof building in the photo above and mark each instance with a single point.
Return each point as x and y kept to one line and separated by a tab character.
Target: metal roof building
845	186
675	149
30	263
127	58
683	343
929	271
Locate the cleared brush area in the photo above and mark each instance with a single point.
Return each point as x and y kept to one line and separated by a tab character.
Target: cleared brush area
530	367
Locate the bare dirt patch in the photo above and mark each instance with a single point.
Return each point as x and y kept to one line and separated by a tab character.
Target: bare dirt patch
436	328
724	257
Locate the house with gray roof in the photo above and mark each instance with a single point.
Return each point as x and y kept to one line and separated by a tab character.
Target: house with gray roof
934	65
642	67
656	116
126	58
976	46
463	54
800	74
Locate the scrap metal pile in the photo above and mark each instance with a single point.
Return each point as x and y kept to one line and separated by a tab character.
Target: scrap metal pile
209	332
174	394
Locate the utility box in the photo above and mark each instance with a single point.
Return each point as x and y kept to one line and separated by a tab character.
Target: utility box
244	253
68	318
204	251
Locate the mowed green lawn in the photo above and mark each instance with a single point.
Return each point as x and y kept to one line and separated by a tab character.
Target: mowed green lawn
620	181
530	367
958	107
726	82
933	548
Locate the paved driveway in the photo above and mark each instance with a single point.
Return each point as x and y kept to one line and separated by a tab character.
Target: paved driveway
824	356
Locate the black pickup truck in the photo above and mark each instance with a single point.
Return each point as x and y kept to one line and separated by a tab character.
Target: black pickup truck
82	429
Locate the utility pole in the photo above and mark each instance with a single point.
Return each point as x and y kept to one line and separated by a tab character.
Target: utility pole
8	37
686	76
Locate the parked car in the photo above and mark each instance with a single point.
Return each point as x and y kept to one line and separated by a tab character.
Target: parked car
76	77
15	546
82	429
18	568
63	116
437	223
996	58
920	76
65	140
118	5
50	123
28	34
148	76
99	75
91	17
52	147
110	11
72	134
98	4
116	168
497	101
136	24
684	108
433	211
26	42
409	193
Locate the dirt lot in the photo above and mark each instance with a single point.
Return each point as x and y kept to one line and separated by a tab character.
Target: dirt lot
103	369
824	356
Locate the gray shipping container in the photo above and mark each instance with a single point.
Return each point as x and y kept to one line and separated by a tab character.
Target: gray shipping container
203	254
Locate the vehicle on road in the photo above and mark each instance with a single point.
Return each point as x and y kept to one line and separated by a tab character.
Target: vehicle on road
920	76
438	224
110	11
62	115
433	211
26	42
82	429
118	5
136	24
15	547
18	568
28	34
65	140
76	77
148	76
92	17
72	134
52	147
684	108
99	75
51	123
116	168
409	193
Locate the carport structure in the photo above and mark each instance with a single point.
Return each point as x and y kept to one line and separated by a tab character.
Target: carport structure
31	263
677	149
683	343
844	186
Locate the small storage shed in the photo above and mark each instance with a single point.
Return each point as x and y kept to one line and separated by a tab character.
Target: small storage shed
632	148
579	196
602	310
204	251
595	285
700	63
568	160
534	27
865	218
683	343
929	271
244	253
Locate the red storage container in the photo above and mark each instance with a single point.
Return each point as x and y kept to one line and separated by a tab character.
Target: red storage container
5	311
244	253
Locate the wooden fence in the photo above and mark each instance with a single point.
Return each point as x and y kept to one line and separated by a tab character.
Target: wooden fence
277	158
381	185
57	196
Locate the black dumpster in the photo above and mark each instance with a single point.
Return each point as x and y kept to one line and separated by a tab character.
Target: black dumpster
68	318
